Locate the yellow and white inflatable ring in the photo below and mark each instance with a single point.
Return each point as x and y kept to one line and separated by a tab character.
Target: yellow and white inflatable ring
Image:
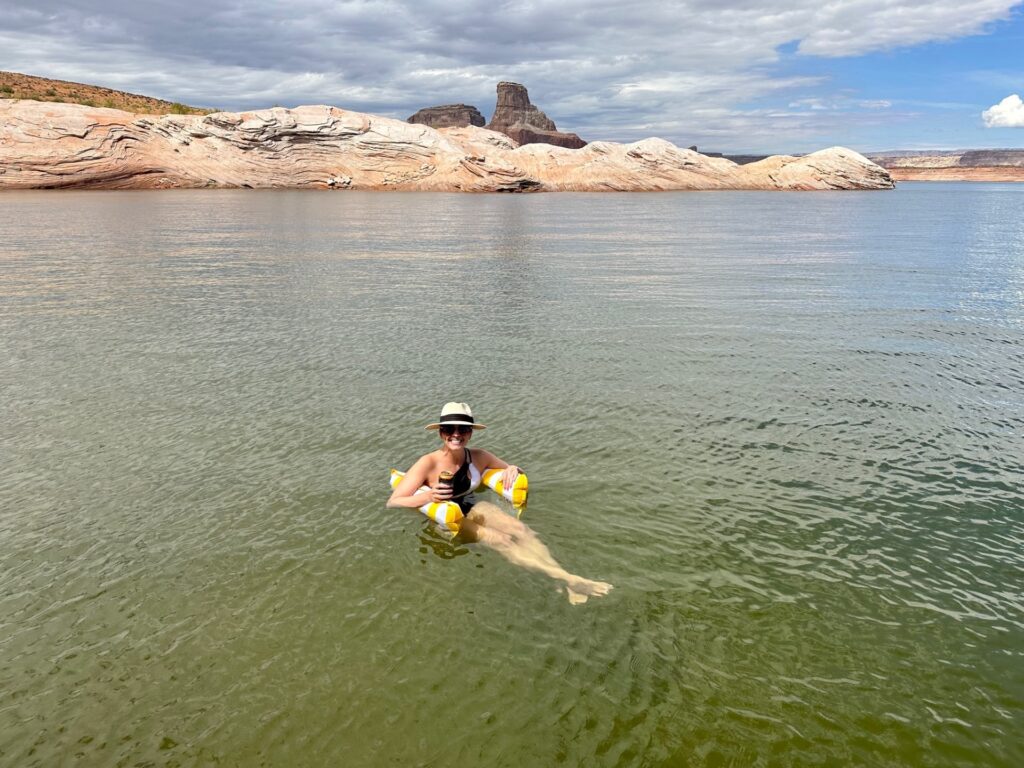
449	515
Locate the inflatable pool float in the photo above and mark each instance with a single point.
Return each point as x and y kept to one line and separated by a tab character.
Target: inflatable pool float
449	515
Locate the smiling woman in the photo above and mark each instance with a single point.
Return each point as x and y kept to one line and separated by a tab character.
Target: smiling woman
450	475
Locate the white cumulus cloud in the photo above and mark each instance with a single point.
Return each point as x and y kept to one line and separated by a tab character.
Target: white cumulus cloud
1008	113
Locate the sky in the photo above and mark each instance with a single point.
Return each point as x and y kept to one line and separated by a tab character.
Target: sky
734	76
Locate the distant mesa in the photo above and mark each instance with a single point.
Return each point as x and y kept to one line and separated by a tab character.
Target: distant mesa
746	159
449	116
693	148
988	158
953	165
522	122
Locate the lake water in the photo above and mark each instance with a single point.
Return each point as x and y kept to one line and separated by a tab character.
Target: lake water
787	428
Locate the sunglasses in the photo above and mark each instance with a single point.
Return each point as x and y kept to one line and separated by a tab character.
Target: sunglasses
456	429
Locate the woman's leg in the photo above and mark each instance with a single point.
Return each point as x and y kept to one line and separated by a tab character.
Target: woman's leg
517	543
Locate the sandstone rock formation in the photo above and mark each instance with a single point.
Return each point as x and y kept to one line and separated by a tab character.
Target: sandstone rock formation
521	121
449	116
49	145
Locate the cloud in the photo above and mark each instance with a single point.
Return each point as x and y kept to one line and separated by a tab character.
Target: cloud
1008	113
601	68
862	26
842	102
815	103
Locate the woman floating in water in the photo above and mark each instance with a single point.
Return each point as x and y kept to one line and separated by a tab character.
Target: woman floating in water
483	522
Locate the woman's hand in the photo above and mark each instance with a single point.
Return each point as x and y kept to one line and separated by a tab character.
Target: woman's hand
441	494
508	477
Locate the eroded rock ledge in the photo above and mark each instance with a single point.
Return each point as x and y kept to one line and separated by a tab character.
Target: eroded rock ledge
48	145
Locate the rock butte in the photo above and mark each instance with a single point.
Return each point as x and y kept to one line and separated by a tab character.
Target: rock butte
52	145
449	116
514	116
524	123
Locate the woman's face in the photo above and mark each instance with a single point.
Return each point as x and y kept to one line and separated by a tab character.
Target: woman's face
455	436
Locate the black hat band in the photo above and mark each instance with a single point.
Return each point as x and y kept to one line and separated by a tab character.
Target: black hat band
458	417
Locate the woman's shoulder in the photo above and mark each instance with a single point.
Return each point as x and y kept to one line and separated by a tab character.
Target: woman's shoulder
427	460
481	457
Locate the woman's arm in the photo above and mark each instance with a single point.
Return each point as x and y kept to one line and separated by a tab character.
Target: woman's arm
408	494
490	461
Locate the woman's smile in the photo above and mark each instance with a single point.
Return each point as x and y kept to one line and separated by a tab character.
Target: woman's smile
456	436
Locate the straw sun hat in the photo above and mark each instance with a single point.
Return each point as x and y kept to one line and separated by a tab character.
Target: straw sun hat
456	413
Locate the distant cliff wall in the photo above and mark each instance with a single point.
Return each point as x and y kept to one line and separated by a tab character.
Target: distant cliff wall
992	158
954	165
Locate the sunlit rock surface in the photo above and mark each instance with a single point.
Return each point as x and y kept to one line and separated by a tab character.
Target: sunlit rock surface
52	145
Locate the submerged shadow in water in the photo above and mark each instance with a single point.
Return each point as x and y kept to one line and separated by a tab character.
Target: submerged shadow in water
444	547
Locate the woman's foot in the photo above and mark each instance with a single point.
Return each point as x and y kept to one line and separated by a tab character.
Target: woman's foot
579	590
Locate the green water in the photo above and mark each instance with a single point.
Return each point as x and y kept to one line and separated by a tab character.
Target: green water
786	427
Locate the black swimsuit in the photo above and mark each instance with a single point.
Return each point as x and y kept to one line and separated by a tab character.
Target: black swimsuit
460	486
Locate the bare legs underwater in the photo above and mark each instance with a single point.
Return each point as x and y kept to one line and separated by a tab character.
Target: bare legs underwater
513	540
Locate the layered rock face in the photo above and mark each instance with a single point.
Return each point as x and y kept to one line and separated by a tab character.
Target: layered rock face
449	116
992	158
957	165
50	145
960	158
521	121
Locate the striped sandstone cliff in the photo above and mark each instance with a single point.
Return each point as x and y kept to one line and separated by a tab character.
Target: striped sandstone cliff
52	145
